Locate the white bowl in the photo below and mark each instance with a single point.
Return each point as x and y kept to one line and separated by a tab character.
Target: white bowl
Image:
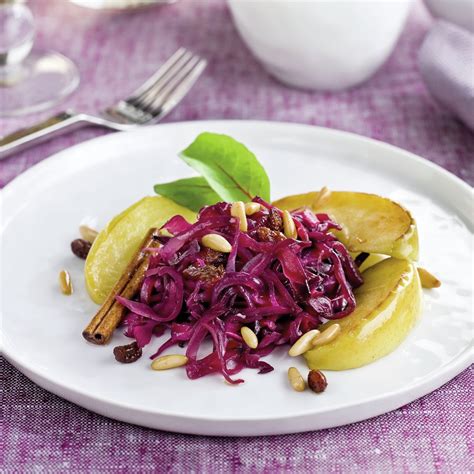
320	44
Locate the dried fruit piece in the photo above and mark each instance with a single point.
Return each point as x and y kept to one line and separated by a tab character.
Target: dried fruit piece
208	273
264	234
80	248
275	221
213	257
128	353
317	381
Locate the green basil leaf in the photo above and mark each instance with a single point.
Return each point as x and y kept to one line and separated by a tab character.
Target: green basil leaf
229	167
192	193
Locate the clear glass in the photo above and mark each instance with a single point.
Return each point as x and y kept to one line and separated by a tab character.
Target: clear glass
30	80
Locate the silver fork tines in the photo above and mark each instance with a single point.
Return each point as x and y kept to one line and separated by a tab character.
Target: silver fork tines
159	94
141	97
148	104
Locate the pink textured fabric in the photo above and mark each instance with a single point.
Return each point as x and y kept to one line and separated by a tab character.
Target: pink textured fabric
115	53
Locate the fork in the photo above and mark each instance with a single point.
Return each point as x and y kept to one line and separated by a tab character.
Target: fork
148	104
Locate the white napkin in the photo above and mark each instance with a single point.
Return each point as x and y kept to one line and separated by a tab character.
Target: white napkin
459	12
446	58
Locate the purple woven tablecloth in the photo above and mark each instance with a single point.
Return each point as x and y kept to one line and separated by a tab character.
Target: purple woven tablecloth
115	53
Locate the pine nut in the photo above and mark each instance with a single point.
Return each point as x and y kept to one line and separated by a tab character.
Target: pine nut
87	233
296	379
65	282
216	242
327	335
169	362
428	280
323	194
249	337
303	344
289	228
252	208
238	210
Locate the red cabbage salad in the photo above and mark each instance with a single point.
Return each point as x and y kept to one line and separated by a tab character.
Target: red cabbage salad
279	287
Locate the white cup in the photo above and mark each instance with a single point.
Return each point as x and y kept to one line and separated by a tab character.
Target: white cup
320	44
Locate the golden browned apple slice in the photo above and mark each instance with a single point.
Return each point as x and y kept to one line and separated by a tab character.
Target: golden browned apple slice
371	223
119	240
388	305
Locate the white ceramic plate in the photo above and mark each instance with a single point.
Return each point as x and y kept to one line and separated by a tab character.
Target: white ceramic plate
93	181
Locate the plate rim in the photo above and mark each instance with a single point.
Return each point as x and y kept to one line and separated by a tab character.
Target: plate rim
462	361
351	135
299	423
422	386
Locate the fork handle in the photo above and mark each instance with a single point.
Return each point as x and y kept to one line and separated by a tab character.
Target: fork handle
49	128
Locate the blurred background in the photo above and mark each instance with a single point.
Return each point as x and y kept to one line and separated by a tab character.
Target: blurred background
116	49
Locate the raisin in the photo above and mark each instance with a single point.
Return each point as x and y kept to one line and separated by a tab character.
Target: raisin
207	273
80	248
264	234
128	353
213	257
317	381
275	221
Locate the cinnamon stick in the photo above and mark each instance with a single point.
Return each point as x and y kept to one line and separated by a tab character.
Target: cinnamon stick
103	324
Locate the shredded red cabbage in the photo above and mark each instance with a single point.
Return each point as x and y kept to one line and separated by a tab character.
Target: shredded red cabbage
279	287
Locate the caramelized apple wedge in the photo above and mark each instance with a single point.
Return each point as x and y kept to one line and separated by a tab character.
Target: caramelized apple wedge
388	305
119	240
371	223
